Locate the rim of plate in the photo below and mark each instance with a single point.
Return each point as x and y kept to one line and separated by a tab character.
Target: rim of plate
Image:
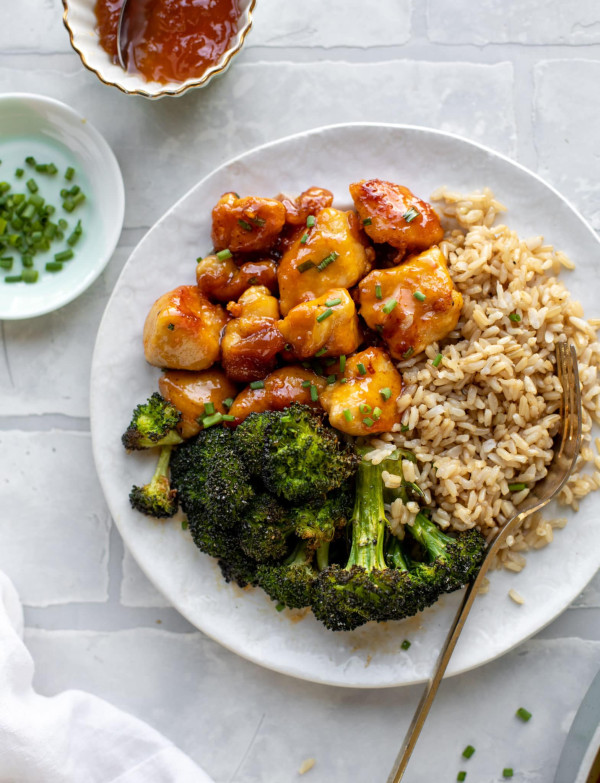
293	670
87	129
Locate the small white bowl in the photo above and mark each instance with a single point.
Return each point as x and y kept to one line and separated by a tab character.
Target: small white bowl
80	20
52	132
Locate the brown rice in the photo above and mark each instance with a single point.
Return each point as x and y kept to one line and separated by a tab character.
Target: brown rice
486	416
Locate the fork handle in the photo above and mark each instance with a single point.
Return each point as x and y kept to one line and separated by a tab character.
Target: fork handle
422	710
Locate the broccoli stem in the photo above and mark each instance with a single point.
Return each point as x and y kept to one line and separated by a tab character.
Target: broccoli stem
430	536
395	555
368	519
323	556
162	466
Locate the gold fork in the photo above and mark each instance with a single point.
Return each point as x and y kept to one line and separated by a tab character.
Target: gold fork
561	467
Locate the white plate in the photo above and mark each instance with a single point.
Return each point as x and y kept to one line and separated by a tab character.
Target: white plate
246	621
52	132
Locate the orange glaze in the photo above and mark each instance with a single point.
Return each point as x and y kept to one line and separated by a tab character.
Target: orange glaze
171	40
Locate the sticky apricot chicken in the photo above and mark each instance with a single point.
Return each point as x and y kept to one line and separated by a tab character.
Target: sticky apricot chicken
222	280
327	326
365	403
331	253
279	390
411	305
392	214
251	340
298	209
183	330
246	224
191	391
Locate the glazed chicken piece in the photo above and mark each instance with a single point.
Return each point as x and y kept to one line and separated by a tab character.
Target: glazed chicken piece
307	203
327	325
281	388
366	402
245	225
183	329
251	340
332	253
224	281
411	305
191	391
391	213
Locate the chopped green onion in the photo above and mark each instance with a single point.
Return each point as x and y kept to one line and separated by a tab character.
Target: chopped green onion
199	259
32	186
331	379
306	384
518	487
70	173
325	314
228	417
333	302
314	393
66	255
327	260
73	239
303	238
30	160
347	414
6	262
53	266
364	408
257	221
368	421
377	412
468	751
507	772
462	776
410	214
523	714
244	225
361	368
321	351
342	363
419	296
13	279
515	317
408	353
404	428
209	421
389	306
367	222
386	392
343	380
223	255
19	173
27	260
209	408
406	454
30	275
279	607
437	360
227	403
62	224
405	644
310	221
184	524
378	291
304	266
257	385
171	327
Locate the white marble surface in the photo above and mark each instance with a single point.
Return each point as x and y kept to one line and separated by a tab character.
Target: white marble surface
520	76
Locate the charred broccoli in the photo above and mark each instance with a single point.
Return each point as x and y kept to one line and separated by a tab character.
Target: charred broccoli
291	582
296	455
153	423
319	520
156	499
265	528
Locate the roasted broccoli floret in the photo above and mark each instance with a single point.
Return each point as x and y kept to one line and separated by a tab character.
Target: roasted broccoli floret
153	424
366	588
319	520
453	561
211	479
299	456
291	582
156	499
265	529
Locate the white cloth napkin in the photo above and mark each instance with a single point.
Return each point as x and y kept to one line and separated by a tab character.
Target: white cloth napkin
72	737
